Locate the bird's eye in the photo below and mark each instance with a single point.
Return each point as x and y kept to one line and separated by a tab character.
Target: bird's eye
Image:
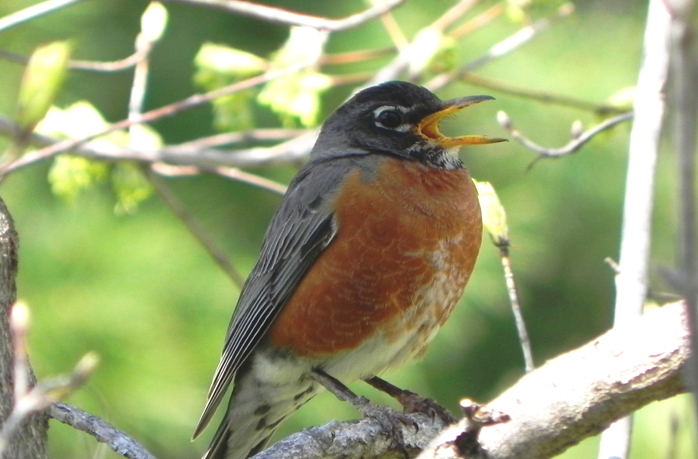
389	118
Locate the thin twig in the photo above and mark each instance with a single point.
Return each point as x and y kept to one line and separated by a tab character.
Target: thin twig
230	138
355	56
196	230
524	340
103	432
227	172
289	18
478	21
167	110
19	323
407	53
138	87
394	31
502	48
30	400
251	179
33	12
541	96
572	146
453	14
494	220
289	152
92	66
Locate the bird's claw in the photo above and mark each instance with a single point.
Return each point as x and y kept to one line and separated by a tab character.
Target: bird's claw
413	403
392	423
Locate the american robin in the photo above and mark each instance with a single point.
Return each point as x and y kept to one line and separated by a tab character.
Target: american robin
364	260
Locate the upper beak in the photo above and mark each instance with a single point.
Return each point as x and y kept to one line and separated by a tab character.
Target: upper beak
429	126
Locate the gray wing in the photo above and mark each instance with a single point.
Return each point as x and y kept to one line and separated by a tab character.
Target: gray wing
300	230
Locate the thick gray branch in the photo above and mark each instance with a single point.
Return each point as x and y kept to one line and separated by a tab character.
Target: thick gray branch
580	393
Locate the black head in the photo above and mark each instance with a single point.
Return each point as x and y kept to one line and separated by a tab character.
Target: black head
397	119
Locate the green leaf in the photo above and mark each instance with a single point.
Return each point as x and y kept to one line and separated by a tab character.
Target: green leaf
130	186
494	217
41	82
70	175
623	99
296	97
522	11
423	48
445	58
79	120
219	65
303	44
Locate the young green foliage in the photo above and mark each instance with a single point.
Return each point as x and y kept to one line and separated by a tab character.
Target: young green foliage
218	66
41	82
70	175
296	98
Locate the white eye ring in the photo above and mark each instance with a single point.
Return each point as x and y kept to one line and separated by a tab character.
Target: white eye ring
382	118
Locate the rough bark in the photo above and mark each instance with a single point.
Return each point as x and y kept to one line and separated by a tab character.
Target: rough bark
29	441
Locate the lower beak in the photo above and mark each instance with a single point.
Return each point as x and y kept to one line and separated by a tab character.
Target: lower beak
429	126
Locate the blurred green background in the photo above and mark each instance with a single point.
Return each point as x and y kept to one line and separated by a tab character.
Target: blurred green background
138	290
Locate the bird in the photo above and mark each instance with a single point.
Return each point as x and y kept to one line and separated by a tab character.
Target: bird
364	260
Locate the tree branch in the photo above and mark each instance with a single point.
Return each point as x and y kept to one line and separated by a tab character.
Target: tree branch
33	12
58	147
289	18
572	146
100	429
29	440
580	393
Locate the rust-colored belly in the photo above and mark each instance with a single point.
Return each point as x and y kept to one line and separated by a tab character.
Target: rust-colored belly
406	245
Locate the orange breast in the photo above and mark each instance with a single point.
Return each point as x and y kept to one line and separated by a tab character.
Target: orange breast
406	245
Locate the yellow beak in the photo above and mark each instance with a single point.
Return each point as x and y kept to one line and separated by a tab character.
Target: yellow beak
429	126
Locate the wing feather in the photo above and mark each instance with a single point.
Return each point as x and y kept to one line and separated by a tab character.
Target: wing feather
298	233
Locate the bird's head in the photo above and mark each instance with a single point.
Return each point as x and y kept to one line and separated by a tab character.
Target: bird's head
398	119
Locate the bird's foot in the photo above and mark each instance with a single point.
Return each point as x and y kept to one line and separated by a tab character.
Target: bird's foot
390	420
411	402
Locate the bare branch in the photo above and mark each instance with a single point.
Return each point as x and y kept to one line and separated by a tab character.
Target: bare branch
500	49
572	147
63	146
100	429
93	66
407	53
478	21
541	96
494	220
524	340
579	393
288	18
229	138
196	230
33	12
28	400
208	160
453	14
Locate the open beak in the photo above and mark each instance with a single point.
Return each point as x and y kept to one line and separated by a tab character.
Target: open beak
429	126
